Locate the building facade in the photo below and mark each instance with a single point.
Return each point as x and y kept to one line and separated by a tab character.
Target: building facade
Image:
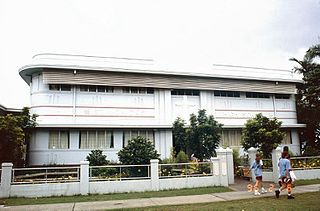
85	103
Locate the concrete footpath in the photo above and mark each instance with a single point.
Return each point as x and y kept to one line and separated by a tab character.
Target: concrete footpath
159	201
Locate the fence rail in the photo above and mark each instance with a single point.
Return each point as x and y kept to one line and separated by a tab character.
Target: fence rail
119	172
45	175
178	170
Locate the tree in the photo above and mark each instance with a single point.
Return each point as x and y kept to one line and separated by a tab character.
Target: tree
179	135
15	134
201	138
262	133
138	151
96	158
204	135
308	99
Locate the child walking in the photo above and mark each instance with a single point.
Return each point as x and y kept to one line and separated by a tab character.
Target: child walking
257	166
285	178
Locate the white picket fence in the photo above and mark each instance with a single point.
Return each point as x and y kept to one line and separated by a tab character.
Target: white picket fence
83	179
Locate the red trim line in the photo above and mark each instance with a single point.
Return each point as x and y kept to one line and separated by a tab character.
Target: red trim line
63	106
254	110
57	115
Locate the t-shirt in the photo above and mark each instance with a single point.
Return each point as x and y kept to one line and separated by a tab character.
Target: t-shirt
257	168
284	166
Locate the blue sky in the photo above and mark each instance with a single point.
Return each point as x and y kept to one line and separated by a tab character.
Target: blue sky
187	35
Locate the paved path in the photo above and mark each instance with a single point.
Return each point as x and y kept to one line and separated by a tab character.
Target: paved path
134	203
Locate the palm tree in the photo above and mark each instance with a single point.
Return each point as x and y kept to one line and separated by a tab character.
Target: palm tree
308	99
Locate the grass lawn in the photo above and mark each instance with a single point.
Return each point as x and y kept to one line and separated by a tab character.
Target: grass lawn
307	182
115	196
304	201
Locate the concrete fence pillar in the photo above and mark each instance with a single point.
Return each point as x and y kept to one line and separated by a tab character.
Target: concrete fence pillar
222	155
276	154
252	156
84	177
6	175
154	163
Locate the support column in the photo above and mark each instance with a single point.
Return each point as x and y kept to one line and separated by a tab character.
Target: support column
222	155
154	174
6	175
84	177
276	154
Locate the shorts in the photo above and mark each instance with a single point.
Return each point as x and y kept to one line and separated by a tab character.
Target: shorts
286	180
259	178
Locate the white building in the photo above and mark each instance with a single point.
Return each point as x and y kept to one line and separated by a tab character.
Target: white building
86	103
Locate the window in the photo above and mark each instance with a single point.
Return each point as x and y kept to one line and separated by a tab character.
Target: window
130	134
93	88
190	92
282	96
135	90
257	95
226	93
96	139
58	139
287	139
231	138
59	87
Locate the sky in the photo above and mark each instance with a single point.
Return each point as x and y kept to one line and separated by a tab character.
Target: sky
181	34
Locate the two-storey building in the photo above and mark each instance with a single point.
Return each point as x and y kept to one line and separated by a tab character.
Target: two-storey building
85	103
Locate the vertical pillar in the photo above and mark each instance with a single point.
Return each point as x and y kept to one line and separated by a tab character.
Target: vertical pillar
222	155
252	156
6	175
230	167
154	174
276	154
84	177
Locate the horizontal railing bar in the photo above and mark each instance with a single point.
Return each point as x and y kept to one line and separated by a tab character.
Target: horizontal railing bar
118	166
43	168
175	164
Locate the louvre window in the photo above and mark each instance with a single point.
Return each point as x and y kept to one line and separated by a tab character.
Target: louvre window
93	88
282	96
96	139
135	90
190	92
130	134
226	93
257	95
58	139
59	87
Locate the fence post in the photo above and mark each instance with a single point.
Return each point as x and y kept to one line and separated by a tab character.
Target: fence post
230	167
276	154
252	156
84	177
154	163
6	175
222	155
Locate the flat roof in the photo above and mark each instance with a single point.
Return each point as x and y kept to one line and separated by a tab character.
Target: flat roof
148	66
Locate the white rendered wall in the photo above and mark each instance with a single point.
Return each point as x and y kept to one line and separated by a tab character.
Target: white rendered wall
40	154
71	109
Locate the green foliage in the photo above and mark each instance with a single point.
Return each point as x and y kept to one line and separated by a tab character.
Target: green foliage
179	135
182	157
138	151
204	135
236	157
96	158
262	133
201	138
15	134
171	159
308	99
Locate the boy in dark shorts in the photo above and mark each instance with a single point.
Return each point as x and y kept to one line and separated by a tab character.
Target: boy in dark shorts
285	179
